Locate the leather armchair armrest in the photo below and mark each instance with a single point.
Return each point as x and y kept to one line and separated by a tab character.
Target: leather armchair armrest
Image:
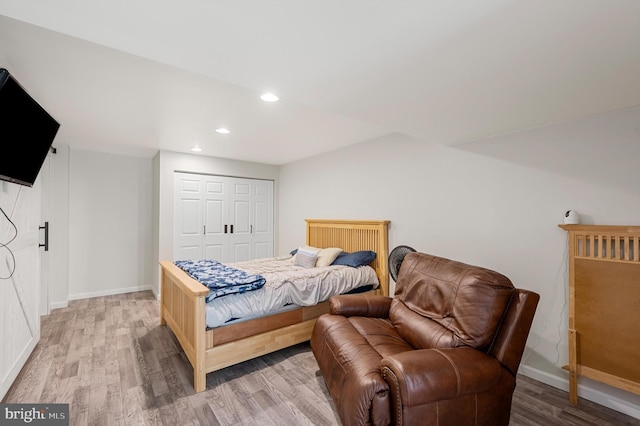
360	305
428	375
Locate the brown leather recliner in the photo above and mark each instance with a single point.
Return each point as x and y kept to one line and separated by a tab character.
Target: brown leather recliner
445	350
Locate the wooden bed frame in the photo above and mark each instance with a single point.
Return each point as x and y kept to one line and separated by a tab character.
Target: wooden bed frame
182	304
604	290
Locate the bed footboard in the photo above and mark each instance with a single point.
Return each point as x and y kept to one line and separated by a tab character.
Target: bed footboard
182	308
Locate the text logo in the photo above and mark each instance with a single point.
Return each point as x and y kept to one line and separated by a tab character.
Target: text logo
34	414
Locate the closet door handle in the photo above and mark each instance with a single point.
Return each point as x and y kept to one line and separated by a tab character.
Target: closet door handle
232	229
251	229
225	229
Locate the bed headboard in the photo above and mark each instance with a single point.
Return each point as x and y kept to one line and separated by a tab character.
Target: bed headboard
354	235
604	293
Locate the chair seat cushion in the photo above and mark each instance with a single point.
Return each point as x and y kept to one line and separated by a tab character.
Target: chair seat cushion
380	335
349	352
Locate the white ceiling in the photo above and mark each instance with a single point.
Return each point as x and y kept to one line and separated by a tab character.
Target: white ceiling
132	77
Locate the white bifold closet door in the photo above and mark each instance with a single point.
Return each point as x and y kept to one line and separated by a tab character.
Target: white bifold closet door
222	218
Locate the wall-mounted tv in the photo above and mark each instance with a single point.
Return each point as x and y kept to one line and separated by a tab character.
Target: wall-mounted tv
26	132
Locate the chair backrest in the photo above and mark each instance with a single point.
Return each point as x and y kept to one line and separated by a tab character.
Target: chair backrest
511	339
444	303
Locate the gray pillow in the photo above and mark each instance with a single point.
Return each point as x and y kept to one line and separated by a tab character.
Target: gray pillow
306	258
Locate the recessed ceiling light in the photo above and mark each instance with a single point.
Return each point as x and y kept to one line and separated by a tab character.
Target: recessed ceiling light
222	130
195	149
269	97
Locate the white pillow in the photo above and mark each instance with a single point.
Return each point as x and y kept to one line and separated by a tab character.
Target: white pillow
327	256
306	257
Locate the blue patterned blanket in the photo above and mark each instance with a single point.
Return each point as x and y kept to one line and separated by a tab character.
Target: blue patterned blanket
219	278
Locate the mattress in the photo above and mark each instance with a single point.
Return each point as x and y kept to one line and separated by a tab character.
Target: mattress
286	284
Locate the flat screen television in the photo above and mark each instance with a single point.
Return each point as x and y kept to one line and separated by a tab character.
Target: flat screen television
26	132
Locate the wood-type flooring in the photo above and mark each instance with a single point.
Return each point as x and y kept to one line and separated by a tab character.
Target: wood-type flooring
109	358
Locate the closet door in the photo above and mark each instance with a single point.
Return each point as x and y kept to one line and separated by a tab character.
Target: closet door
262	219
240	204
252	218
216	218
222	218
188	221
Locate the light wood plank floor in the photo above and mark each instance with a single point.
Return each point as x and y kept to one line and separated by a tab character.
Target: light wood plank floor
109	358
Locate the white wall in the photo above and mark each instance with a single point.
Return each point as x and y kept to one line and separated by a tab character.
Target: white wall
110	233
603	148
473	208
59	226
165	164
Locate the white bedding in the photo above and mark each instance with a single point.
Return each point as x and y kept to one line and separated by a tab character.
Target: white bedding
286	284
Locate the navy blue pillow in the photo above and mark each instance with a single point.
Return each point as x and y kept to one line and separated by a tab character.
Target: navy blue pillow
355	259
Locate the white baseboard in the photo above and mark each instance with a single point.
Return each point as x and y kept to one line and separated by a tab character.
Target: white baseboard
108	292
585	390
64	304
155	292
58	305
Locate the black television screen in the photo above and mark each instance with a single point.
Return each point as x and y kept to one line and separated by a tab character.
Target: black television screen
26	132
